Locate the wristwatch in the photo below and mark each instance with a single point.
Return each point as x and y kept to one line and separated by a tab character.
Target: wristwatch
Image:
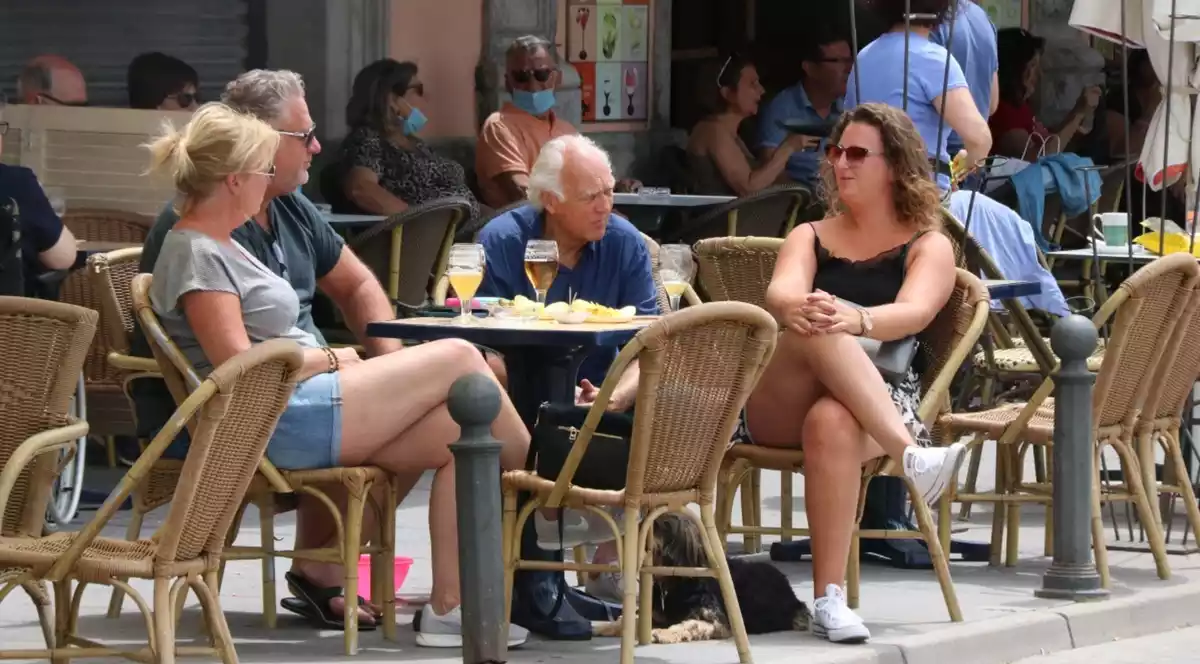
865	322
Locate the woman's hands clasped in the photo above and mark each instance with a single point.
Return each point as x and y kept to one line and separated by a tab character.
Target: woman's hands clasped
821	313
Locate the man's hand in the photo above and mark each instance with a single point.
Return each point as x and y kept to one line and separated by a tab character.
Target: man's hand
800	142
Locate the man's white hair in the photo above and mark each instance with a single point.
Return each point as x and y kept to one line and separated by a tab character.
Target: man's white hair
546	174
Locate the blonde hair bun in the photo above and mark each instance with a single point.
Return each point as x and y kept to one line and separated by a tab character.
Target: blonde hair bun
216	143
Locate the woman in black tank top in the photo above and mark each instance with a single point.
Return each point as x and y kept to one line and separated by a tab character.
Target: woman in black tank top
821	391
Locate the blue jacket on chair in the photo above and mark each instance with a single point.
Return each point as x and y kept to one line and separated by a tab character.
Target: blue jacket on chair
1061	170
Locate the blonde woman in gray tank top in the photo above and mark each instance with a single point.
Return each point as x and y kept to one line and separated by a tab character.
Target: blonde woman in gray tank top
216	300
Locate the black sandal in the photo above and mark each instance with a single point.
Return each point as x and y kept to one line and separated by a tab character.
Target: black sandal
313	602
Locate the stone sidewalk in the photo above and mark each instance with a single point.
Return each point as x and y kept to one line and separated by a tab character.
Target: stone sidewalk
904	609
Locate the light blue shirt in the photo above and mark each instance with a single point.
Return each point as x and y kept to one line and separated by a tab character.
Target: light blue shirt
880	68
1011	244
974	47
793	104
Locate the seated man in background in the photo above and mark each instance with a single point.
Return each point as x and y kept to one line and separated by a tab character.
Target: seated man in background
41	239
817	98
512	137
602	259
52	79
159	81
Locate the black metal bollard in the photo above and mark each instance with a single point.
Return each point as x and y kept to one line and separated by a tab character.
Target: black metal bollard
474	403
1073	574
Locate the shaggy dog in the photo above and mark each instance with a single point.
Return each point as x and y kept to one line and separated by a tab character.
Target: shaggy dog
692	608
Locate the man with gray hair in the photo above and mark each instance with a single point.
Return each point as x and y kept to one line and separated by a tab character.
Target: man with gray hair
603	259
52	79
290	237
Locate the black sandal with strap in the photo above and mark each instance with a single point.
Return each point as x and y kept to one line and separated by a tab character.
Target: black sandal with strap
313	602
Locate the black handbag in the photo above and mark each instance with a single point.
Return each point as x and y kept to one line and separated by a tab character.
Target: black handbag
606	461
893	359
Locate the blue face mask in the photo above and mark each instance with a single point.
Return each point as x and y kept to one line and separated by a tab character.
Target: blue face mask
414	122
534	103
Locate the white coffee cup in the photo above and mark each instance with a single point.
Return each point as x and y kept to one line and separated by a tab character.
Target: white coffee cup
1113	227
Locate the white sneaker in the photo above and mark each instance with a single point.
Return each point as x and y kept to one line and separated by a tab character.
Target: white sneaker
932	469
834	621
575	530
446	631
605	586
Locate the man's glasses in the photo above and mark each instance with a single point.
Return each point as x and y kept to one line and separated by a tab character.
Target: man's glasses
525	75
854	154
56	100
836	61
185	99
307	136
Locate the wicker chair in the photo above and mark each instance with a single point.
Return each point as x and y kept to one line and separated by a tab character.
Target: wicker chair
109	411
37	382
947	341
357	482
772	212
234	411
103	225
416	254
1143	313
1159	419
687	408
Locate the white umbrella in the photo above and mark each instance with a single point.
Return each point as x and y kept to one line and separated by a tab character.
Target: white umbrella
1168	138
1102	18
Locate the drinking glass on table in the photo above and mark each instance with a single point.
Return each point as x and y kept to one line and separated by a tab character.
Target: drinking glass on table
676	268
465	272
541	266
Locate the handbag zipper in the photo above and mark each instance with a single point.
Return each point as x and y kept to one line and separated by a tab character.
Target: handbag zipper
573	433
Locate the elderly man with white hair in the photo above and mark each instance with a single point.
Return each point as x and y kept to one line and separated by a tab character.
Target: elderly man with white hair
602	258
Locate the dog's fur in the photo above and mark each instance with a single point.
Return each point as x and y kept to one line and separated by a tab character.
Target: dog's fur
692	608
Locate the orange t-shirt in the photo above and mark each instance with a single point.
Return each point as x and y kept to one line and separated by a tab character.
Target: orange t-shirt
509	142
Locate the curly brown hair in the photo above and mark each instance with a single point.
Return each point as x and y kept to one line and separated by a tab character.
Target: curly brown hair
916	196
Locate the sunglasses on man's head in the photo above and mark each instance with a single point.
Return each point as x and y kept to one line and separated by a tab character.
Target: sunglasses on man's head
525	75
307	136
854	154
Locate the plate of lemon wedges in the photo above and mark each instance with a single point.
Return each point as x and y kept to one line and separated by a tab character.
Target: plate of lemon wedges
582	311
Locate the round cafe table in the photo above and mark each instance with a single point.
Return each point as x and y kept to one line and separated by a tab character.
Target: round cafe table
542	359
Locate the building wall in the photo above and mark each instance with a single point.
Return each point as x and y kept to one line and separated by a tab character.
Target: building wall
444	38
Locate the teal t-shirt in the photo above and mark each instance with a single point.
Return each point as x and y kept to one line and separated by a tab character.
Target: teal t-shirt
300	246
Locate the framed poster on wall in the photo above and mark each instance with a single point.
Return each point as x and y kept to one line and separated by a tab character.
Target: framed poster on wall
1004	13
608	42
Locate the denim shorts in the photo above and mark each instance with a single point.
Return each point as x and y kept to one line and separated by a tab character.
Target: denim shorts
309	433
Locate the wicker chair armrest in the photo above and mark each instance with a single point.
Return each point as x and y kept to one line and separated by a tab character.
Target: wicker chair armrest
440	289
690	297
275	478
51	440
132	363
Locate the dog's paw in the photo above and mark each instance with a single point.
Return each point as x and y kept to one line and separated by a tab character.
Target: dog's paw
608	629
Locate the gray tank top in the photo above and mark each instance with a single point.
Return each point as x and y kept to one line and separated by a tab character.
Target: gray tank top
191	261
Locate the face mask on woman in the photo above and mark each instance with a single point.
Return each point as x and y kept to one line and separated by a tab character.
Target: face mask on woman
413	122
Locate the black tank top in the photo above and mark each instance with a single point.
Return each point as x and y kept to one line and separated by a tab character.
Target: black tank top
870	282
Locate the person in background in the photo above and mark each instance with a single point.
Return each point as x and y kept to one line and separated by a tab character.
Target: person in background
1145	94
826	61
602	259
45	244
728	90
974	47
930	104
880	248
512	137
52	79
386	166
159	81
1014	123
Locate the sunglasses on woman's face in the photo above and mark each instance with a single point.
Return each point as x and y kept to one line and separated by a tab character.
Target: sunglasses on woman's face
854	154
185	99
525	75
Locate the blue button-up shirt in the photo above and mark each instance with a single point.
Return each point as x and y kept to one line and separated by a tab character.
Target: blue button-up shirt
793	104
614	271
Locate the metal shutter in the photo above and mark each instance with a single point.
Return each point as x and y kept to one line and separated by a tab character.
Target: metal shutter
101	38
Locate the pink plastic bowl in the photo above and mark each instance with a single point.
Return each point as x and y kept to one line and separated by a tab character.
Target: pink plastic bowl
364	574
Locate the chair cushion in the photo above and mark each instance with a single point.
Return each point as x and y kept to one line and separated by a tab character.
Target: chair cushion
1019	359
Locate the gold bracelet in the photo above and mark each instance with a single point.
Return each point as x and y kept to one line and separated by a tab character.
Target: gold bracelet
333	360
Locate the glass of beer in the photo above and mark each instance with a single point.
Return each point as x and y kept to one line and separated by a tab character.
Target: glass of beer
676	270
541	266
465	271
